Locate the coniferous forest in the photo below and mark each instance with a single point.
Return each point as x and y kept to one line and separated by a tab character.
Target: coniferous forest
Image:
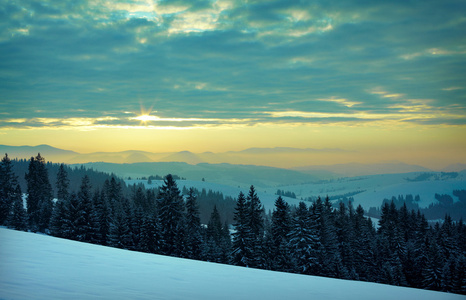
312	239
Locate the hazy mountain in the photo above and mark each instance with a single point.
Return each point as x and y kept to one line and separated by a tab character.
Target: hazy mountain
46	151
229	174
279	157
277	150
183	156
136	157
455	168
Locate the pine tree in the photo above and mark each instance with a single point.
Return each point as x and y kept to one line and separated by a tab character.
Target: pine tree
137	216
256	226
8	182
59	211
170	209
39	198
433	271
84	224
345	236
193	227
119	235
330	262
62	183
225	244
139	199
280	228
18	217
215	237
72	211
101	216
303	240
148	242
363	246
242	252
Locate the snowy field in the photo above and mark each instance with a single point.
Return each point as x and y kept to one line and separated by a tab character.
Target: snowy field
373	189
34	266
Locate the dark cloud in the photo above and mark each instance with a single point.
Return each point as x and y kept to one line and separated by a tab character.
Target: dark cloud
209	60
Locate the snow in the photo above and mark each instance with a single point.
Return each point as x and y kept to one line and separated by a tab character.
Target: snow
373	189
267	198
376	188
34	266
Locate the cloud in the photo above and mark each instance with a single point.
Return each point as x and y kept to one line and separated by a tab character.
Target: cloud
211	63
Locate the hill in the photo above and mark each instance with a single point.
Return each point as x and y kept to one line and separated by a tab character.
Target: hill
36	266
49	152
227	174
298	159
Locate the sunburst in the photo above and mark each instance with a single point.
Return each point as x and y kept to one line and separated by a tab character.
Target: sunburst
145	116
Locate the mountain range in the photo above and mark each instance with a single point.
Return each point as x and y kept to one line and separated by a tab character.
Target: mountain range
279	157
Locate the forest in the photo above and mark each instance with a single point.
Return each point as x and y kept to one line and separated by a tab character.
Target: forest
311	238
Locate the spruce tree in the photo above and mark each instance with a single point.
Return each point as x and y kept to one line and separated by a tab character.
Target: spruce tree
170	210
8	182
119	235
59	211
214	236
363	246
255	222
101	216
303	240
280	228
242	252
84	224
18	217
432	274
193	226
345	236
39	194
62	183
330	262
225	244
148	242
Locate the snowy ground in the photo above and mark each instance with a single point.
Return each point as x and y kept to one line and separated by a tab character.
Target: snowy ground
34	266
373	189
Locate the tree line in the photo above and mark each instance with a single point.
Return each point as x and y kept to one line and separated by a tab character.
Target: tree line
311	239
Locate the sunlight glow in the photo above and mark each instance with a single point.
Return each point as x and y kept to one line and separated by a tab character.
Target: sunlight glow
146	118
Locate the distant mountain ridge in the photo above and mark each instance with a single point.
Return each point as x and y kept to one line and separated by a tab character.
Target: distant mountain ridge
279	157
227	174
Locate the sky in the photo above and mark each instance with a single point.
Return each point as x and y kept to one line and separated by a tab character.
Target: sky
385	80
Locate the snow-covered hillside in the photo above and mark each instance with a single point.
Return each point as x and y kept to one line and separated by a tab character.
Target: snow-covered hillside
374	188
34	266
371	190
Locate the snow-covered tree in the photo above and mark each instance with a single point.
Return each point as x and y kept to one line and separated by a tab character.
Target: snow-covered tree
303	240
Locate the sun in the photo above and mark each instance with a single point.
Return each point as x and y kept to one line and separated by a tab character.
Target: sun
145	116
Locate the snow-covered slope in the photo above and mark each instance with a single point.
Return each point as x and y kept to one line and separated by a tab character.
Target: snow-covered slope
370	190
374	188
34	266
